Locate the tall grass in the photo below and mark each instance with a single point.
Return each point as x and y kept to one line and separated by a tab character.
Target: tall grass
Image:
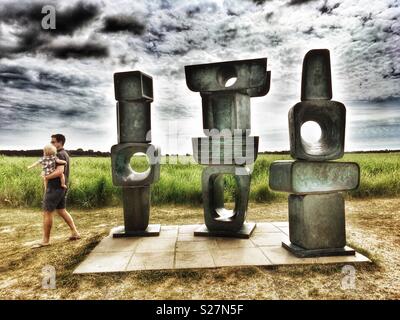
91	185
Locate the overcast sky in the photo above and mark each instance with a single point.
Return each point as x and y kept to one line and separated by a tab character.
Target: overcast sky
62	80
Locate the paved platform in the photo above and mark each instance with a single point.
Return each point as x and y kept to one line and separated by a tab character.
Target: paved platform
177	248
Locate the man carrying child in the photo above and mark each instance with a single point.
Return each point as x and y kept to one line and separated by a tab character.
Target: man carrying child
55	194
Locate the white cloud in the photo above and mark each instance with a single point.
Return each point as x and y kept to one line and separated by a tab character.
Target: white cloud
364	40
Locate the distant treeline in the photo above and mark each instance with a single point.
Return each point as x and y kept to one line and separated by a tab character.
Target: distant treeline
91	153
39	153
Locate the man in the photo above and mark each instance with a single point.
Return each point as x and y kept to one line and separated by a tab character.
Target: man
55	196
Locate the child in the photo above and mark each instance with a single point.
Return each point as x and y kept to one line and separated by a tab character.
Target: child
48	162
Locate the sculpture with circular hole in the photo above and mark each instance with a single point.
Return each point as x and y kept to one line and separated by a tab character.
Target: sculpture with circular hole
134	93
316	208
228	148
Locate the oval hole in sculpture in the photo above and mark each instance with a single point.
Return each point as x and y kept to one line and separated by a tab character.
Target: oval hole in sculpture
139	162
311	132
227	76
230	82
229	185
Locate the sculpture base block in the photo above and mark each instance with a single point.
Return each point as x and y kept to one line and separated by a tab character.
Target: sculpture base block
153	230
244	233
306	253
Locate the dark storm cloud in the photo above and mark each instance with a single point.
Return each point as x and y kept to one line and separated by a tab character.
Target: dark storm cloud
19	116
174	27
260	2
192	11
226	35
269	16
31	38
326	9
62	81
20	78
68	20
160	37
156	43
123	23
297	2
392	74
79	50
37	98
22	113
204	7
310	30
152	41
76	17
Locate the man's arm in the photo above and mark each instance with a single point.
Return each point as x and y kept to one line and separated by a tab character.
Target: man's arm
56	173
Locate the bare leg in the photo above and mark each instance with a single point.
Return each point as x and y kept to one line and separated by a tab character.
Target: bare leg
68	219
62	178
45	181
47	224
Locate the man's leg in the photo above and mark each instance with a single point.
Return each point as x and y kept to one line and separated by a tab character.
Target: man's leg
47	224
68	219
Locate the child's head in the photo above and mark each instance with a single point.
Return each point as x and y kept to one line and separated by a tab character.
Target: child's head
49	150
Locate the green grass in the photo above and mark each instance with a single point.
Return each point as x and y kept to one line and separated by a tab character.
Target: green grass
91	185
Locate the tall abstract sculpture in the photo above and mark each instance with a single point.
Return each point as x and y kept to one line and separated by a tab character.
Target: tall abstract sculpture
228	148
316	206
134	93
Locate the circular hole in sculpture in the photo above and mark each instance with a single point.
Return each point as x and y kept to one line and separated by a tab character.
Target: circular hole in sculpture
227	76
311	132
139	162
230	82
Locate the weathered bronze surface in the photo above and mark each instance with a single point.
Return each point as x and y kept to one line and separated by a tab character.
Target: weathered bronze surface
310	253
316	209
134	93
217	218
134	121
331	117
252	76
226	110
316	80
306	177
132	86
225	89
316	221
124	175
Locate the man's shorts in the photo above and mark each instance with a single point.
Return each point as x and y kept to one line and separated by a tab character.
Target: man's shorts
54	198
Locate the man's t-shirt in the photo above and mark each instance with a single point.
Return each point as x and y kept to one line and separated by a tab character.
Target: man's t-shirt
56	182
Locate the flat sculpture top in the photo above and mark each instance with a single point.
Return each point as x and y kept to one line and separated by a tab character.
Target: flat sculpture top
133	85
251	76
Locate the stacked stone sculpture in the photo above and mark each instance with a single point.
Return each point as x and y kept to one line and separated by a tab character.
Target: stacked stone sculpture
134	93
316	206
228	147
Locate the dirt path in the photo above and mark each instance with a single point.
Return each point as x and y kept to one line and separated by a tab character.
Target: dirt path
373	227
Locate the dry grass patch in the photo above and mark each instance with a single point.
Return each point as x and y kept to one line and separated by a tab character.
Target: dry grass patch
372	227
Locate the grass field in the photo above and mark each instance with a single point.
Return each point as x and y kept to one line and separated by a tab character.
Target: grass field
91	185
373	224
372	228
